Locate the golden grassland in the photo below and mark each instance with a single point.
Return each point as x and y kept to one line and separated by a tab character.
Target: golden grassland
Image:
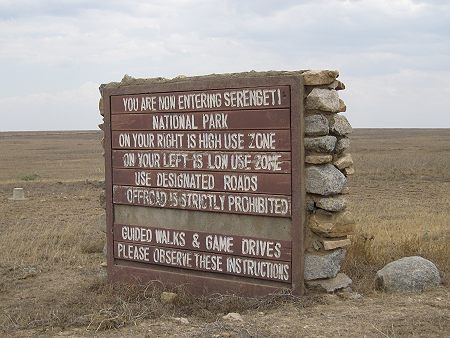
400	196
50	244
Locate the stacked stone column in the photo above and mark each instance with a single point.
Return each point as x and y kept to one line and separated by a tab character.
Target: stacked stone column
327	165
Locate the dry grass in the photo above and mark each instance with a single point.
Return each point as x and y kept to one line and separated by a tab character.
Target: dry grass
57	226
400	197
50	245
98	306
50	156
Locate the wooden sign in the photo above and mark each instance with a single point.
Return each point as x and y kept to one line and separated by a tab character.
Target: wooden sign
203	182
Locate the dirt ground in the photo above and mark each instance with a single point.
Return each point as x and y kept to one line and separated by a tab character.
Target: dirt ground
52	284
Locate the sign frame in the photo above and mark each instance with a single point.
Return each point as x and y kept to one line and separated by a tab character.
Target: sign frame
200	282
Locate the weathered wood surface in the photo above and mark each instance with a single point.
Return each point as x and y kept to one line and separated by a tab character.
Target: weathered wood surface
203	100
274	184
230	120
243	140
203	160
239	203
204	261
208	242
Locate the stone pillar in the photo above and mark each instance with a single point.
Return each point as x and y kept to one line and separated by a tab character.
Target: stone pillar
327	165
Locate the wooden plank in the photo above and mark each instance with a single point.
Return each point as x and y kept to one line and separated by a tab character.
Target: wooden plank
204	261
203	100
244	140
298	186
228	120
258	183
211	161
241	203
274	228
197	282
203	241
109	206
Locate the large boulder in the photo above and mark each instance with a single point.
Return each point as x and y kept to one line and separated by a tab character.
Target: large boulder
322	144
408	274
324	180
318	266
316	125
323	99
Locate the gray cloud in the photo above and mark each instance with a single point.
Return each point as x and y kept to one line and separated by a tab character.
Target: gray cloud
389	52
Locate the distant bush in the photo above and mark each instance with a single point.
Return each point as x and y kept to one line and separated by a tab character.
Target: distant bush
29	177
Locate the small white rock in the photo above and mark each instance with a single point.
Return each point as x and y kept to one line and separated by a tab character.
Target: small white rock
233	316
182	320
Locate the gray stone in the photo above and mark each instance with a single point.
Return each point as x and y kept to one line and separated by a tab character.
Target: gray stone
324	180
339	125
322	144
408	274
341	145
341	281
323	99
318	159
319	77
344	161
332	203
316	125
319	266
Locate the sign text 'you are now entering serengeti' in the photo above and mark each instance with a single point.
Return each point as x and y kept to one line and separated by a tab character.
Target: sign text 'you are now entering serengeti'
211	150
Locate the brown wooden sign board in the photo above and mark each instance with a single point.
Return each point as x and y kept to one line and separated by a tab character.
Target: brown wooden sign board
196	150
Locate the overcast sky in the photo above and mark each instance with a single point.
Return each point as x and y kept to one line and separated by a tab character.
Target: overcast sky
393	55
